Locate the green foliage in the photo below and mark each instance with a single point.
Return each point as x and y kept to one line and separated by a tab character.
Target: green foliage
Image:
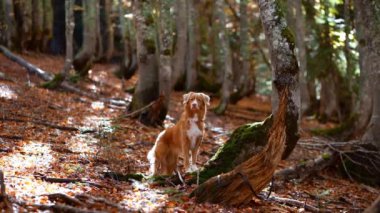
55	82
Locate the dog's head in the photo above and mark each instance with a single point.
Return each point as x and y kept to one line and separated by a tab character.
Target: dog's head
196	102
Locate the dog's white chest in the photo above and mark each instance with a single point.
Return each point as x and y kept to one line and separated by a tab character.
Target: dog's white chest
193	132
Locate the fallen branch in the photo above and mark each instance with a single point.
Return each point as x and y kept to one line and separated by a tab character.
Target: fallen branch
13	137
66	198
43	123
46	76
296	203
123	177
67	180
63	208
99	200
303	170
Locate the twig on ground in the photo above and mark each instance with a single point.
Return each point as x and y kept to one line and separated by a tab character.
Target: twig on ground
66	198
67	180
296	203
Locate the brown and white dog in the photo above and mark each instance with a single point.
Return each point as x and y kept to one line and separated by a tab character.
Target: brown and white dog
182	139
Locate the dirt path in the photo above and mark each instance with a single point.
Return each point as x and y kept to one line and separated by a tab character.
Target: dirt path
31	151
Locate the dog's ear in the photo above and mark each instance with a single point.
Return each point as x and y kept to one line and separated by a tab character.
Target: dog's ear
206	99
186	97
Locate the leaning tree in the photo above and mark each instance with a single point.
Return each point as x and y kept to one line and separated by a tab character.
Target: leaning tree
249	172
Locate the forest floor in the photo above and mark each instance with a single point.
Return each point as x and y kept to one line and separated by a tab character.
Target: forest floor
47	134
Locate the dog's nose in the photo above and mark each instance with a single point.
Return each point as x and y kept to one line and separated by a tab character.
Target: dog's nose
193	105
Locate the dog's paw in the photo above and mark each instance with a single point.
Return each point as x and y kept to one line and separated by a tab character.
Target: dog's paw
192	168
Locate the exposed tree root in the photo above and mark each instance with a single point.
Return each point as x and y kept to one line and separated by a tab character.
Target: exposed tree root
375	207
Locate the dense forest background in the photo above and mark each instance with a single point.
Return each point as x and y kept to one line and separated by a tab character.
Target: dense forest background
225	48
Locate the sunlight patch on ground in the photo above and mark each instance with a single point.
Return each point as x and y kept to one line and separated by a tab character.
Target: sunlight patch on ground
98	123
97	105
19	170
82	143
220	136
7	93
143	198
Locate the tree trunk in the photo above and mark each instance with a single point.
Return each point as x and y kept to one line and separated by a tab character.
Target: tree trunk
9	23
179	67
24	10
224	57
249	178
48	24
301	46
69	32
367	20
128	65
243	64
147	89
99	38
109	44
375	206
37	24
165	58
193	44
85	57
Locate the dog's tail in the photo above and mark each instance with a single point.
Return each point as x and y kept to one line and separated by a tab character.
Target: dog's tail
152	159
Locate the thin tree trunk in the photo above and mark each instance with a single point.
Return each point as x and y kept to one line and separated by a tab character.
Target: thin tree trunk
69	31
38	23
27	24
192	45
249	178
48	24
224	57
301	46
109	30
165	58
85	57
350	65
99	37
10	23
179	68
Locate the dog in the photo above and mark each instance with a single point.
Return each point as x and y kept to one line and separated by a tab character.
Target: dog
183	139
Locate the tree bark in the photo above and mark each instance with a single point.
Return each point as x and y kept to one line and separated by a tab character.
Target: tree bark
147	89
69	32
9	23
367	20
37	24
224	57
375	206
181	46
85	57
47	34
244	49
165	58
99	38
193	44
109	34
301	53
249	178
27	17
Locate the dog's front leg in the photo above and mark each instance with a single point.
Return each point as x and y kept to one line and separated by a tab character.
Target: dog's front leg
194	154
186	156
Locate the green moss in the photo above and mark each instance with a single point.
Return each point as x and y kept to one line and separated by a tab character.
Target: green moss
288	34
326	156
338	130
237	149
55	82
74	78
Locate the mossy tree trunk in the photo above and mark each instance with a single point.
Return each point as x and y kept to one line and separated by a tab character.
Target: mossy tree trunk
84	59
223	57
147	88
250	177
